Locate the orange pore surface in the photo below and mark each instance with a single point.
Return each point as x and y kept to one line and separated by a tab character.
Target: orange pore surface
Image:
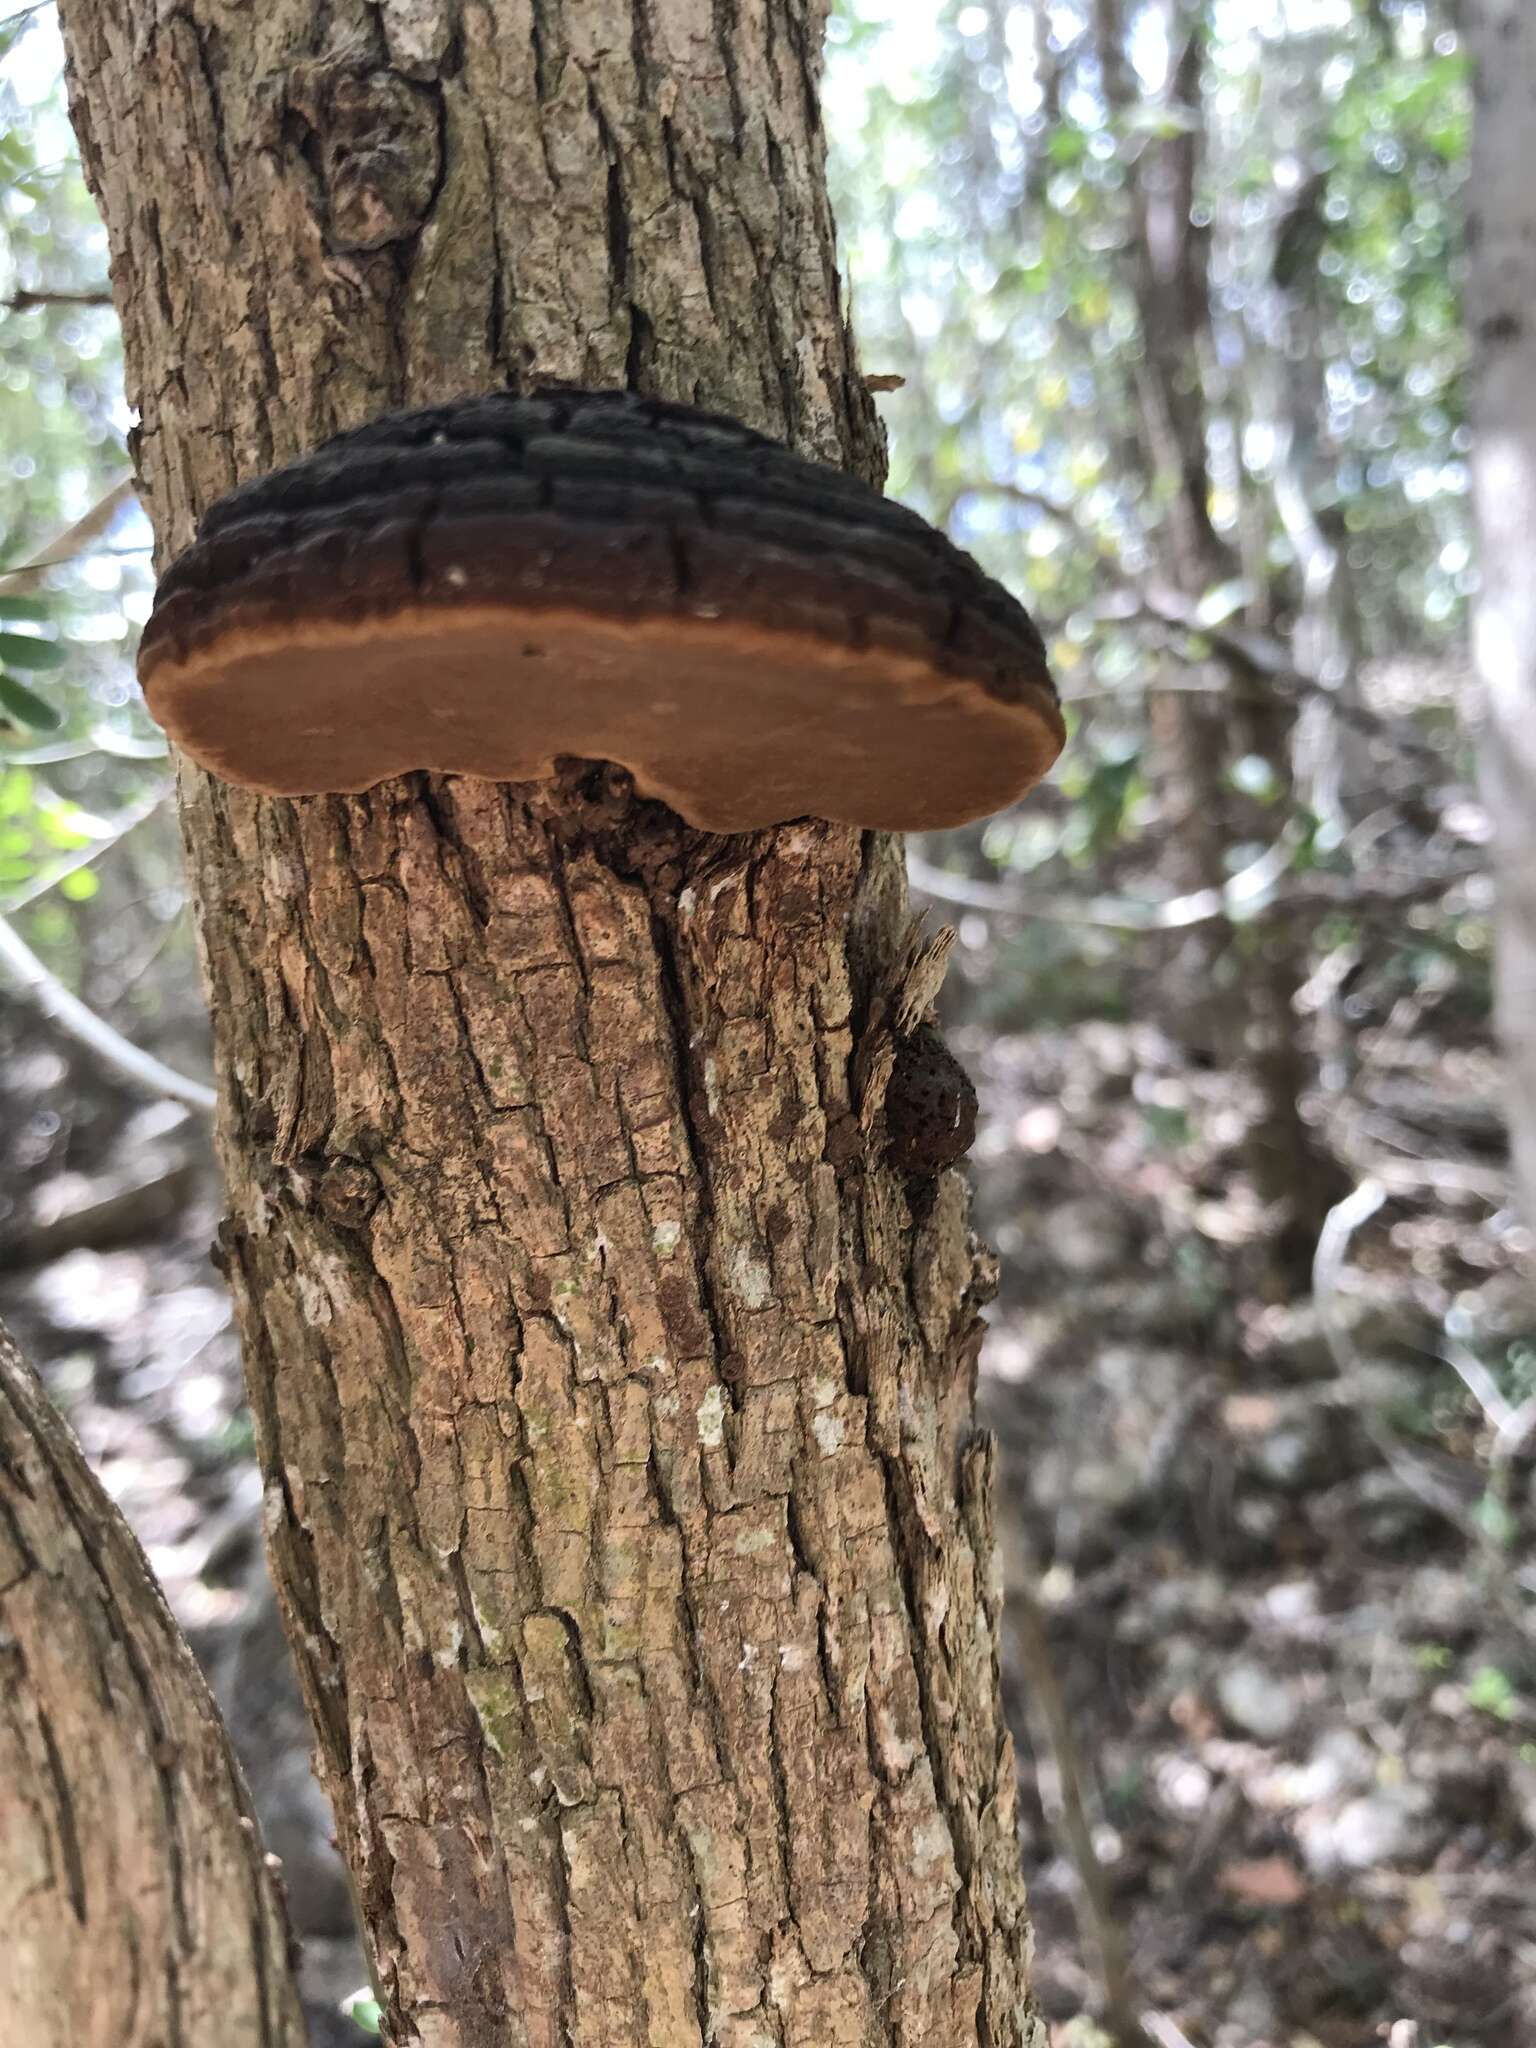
736	727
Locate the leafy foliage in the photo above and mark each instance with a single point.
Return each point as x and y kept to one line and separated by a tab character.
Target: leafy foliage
991	170
78	758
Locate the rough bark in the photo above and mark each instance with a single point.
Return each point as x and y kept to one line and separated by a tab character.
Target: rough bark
613	1391
137	1906
1502	317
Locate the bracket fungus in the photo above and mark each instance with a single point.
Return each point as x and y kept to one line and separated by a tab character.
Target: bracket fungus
484	587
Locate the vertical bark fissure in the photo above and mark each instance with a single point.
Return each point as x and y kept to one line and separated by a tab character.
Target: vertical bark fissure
64	1809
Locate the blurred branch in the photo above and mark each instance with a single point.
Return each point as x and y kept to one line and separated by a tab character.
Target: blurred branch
1247	891
1164	2032
74	540
1512	1426
1050	508
42	989
22	13
24	301
121	1207
102	739
1333	1242
1257	654
1318	557
1339	1228
1446	1176
1062	1774
1050	64
119	828
56	167
1246	654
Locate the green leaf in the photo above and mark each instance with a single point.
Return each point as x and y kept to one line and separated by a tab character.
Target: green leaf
23	650
61	828
363	2009
1223	601
1496	1522
25	704
80	886
1255	777
1490	1691
1162	121
13	605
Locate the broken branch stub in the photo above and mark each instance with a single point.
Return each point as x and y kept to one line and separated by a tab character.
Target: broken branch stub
486	587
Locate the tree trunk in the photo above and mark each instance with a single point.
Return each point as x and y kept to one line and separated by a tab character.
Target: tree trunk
1502	318
137	1907
1242	1008
614	1397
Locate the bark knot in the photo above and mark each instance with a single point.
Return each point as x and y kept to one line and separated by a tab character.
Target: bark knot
373	142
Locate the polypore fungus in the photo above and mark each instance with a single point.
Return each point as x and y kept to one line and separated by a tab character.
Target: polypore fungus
484	587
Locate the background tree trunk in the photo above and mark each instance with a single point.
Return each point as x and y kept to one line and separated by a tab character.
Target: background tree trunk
1501	293
614	1402
1235	988
137	1906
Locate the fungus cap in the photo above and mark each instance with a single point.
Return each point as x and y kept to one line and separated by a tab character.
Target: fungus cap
485	587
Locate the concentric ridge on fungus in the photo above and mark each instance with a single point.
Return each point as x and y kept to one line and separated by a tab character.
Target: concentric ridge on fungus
486	586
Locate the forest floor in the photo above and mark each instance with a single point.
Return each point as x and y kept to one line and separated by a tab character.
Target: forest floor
1279	1562
1277	1552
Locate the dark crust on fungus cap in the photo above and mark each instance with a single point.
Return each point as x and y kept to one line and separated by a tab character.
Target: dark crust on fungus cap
484	587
